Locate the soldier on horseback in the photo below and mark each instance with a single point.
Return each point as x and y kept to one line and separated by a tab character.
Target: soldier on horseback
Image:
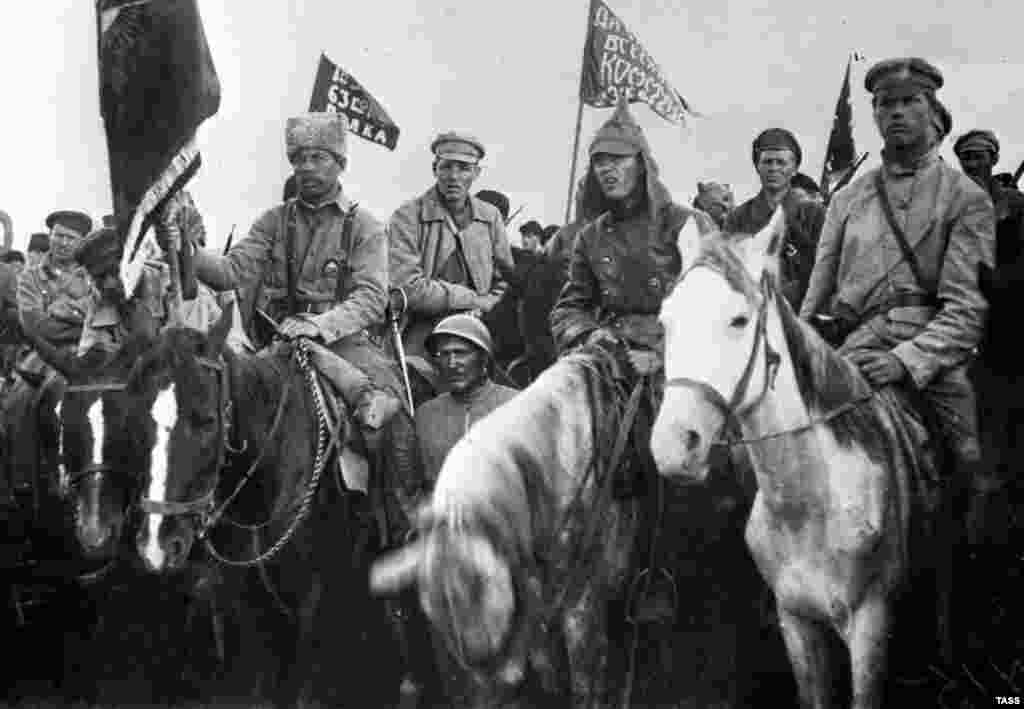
625	260
448	250
318	264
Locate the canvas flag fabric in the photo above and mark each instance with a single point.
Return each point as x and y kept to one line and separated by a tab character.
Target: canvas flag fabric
615	63
840	154
334	89
157	85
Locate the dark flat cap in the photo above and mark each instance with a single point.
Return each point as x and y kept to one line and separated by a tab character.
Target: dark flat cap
532	227
99	250
76	221
805	182
495	198
40	241
776	139
453	145
904	73
977	140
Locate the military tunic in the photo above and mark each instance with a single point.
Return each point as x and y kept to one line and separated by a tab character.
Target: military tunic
804	220
340	287
52	302
422	240
949	223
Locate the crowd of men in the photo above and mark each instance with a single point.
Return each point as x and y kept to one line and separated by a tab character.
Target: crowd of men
913	259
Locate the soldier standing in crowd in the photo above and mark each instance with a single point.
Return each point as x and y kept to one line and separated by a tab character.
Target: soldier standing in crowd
997	373
449	252
777	156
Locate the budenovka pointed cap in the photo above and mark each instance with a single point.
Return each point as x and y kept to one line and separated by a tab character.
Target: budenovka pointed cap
620	134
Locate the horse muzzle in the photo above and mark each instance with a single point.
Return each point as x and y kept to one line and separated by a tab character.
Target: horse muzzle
164	544
684	431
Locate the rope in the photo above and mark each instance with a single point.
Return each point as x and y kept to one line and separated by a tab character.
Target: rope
302	358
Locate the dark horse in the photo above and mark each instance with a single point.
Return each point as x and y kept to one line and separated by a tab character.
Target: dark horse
523	344
234	455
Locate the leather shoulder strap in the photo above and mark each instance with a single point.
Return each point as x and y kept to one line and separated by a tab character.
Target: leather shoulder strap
346	248
288	225
908	253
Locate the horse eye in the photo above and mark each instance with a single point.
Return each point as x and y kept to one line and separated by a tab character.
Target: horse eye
739	321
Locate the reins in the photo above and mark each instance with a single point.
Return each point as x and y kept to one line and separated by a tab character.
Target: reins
732	408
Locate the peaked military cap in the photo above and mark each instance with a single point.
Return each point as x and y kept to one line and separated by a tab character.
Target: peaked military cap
78	222
495	198
776	139
532	227
977	140
453	145
911	73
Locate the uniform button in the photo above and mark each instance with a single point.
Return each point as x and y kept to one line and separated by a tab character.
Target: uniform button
606	259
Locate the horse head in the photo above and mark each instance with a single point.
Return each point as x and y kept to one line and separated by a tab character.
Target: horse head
465	583
174	416
98	472
719	361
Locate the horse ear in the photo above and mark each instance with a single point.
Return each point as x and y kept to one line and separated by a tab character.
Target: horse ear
217	336
762	249
396	571
689	240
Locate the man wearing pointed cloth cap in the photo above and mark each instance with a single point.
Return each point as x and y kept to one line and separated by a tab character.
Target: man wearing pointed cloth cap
448	251
622	265
997	373
911	313
776	155
317	265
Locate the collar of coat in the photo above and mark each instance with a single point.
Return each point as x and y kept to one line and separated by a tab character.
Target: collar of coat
895	169
340	199
433	210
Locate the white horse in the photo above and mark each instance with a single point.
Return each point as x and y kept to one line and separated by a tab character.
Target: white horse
836	462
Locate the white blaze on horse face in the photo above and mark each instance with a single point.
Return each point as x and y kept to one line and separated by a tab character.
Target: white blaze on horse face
709	333
165	415
95	416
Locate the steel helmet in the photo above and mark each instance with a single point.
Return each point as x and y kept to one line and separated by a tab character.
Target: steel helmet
466	326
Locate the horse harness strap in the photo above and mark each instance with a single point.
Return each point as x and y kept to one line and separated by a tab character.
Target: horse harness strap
731	408
72	477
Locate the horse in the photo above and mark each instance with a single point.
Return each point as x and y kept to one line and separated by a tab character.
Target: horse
842	470
522	544
523	343
237	471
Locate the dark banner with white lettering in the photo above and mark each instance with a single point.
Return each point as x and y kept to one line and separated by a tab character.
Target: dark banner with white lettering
338	91
615	63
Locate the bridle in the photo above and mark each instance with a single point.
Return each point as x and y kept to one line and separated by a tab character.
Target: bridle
201	508
70	480
732	408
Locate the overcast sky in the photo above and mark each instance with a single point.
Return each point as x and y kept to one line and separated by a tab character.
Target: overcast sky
506	71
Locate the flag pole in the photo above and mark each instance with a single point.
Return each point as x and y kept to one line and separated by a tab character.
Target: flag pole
579	116
575	155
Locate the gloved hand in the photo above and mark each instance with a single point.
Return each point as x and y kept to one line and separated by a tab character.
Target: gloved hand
604	337
644	361
294	327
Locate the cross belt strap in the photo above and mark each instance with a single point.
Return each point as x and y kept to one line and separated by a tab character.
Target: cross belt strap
901	238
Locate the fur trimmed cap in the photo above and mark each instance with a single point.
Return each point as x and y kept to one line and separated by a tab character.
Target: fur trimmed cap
904	73
620	135
78	222
452	145
776	139
469	328
977	140
99	250
323	131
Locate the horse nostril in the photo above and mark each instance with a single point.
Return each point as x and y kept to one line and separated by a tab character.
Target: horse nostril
691	440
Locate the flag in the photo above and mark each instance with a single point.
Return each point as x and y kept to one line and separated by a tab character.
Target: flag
157	85
336	90
615	63
841	154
